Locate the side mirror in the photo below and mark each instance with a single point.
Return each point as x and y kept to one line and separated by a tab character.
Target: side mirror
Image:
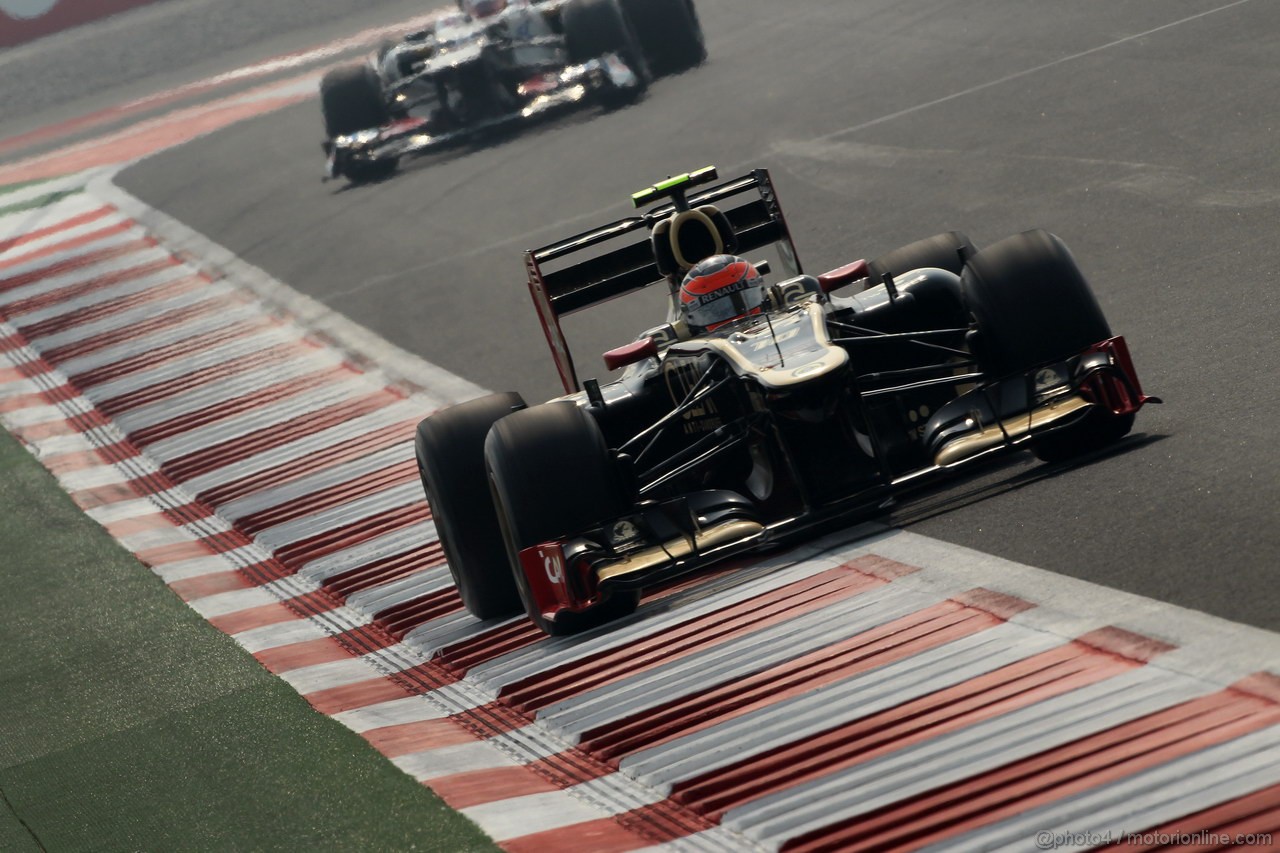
847	274
631	353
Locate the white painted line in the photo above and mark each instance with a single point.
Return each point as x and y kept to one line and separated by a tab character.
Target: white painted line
763	577
334	475
15	253
93	478
36	415
387	545
158	537
207	299
450	760
852	699
384	596
192	362
340	673
84	275
379	503
396	712
198	567
280	634
959	755
53	259
1164	793
179	333
286	411
224	603
227	389
517	816
727	662
291	451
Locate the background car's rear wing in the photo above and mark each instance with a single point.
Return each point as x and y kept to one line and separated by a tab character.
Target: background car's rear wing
630	264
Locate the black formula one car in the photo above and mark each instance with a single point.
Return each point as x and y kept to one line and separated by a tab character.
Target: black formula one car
493	64
757	412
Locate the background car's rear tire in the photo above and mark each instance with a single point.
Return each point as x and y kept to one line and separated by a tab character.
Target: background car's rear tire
450	451
947	251
593	28
1032	306
553	476
669	33
351	100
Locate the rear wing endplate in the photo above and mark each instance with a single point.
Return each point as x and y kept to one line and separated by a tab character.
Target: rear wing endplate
630	265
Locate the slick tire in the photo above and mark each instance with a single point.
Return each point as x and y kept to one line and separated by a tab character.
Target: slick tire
552	476
1097	430
947	251
369	171
593	28
1032	306
450	452
351	100
669	34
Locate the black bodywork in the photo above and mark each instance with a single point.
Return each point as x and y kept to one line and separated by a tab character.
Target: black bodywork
820	408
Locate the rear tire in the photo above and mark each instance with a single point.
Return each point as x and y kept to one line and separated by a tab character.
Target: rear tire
948	251
593	28
552	477
450	451
351	100
668	32
1033	306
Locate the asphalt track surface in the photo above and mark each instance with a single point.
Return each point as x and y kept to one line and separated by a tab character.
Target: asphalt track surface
1142	132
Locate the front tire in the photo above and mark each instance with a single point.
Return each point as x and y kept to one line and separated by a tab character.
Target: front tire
351	100
669	33
552	477
450	451
1033	306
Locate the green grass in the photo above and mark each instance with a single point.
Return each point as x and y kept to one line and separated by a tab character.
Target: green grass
129	723
9	188
39	201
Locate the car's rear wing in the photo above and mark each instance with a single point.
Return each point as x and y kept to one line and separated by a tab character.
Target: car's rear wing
630	264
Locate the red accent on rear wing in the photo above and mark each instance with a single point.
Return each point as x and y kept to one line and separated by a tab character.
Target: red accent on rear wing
550	324
631	266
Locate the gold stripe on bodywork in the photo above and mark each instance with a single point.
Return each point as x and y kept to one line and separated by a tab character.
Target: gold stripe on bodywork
974	443
678	549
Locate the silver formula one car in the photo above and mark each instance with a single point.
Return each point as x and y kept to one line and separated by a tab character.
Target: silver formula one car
493	64
758	412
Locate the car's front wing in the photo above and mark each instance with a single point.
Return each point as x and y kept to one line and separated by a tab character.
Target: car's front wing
545	95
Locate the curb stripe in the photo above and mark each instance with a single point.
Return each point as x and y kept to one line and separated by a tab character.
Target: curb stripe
71	234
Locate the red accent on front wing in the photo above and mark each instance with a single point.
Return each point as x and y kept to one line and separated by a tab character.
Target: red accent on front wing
401	126
1121	394
547	571
539	84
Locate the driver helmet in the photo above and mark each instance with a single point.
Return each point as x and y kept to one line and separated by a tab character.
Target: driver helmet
478	9
719	289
